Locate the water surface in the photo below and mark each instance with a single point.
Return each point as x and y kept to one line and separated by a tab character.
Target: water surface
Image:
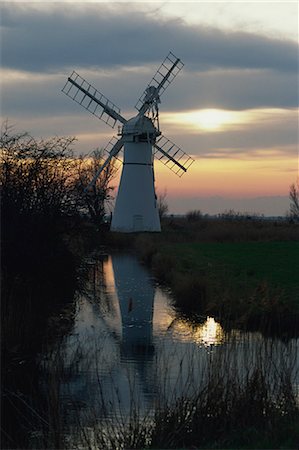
131	349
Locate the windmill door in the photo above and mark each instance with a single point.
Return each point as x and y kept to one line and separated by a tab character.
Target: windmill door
138	222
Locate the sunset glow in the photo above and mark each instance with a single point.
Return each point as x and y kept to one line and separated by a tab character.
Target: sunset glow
228	176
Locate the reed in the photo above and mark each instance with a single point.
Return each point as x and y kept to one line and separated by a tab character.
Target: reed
233	397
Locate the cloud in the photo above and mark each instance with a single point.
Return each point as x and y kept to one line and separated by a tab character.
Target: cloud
99	35
236	89
34	94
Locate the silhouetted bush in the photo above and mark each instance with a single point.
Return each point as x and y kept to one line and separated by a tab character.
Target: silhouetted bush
194	215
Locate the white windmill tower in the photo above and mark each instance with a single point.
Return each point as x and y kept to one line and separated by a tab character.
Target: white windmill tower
136	206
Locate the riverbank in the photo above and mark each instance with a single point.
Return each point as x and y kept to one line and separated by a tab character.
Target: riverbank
249	285
243	272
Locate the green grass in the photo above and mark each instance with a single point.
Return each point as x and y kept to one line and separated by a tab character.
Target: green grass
248	284
246	263
243	272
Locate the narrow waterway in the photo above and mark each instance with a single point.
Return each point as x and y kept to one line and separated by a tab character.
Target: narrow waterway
131	351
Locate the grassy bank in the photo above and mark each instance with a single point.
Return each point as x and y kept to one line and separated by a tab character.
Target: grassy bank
247	283
244	273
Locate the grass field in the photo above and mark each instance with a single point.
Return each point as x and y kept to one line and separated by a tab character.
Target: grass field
246	264
244	273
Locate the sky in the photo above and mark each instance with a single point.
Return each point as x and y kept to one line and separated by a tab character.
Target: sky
233	107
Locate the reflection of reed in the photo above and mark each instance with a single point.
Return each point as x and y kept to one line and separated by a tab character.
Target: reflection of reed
217	397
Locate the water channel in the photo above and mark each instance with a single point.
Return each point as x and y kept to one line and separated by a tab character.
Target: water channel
130	348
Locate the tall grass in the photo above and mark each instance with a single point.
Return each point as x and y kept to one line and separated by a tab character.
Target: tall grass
228	229
239	401
236	396
40	280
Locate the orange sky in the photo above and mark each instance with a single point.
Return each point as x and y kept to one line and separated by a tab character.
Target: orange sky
232	178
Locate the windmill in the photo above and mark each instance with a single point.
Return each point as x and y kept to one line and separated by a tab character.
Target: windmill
136	203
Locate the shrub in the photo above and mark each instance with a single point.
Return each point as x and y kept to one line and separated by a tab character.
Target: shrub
194	216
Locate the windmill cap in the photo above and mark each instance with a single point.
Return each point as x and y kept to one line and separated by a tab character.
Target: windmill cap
139	125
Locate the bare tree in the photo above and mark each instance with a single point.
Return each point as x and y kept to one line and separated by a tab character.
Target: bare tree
294	200
162	204
94	200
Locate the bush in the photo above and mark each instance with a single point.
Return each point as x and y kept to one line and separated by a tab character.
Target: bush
194	216
42	179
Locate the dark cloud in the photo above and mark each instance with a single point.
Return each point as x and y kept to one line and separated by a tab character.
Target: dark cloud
237	90
98	35
39	102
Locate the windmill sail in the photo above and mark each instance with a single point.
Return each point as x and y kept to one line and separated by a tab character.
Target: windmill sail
172	156
91	99
165	74
110	146
118	157
115	149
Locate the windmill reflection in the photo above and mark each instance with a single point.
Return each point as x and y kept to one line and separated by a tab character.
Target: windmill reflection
111	348
135	293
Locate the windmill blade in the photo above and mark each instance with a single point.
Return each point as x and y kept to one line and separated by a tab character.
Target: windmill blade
172	156
165	74
91	99
112	154
110	146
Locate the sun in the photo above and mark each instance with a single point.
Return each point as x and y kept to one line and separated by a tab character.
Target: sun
213	119
208	120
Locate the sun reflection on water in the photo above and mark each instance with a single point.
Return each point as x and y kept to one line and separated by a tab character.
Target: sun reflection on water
207	334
